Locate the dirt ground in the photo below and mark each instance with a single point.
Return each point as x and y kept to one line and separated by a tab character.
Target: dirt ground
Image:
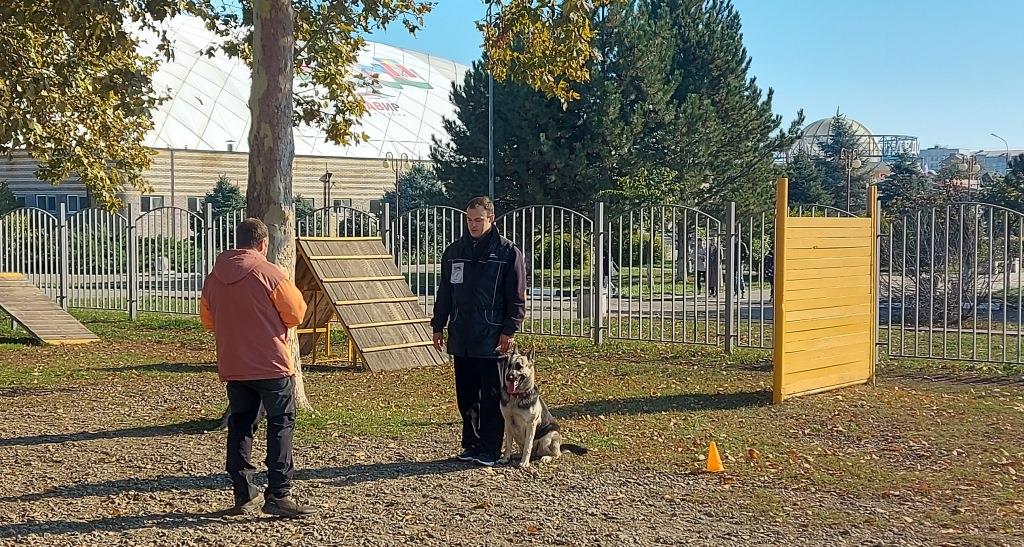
110	446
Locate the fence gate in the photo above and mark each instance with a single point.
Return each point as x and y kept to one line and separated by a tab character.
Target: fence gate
951	284
826	300
30	243
558	248
417	239
665	267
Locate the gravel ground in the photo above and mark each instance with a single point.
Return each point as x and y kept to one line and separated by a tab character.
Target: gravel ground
84	468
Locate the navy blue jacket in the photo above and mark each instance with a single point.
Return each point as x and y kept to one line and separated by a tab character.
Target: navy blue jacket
482	294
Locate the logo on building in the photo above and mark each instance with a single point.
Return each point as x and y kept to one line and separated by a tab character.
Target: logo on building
391	73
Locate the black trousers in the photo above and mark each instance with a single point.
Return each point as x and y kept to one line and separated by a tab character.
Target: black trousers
477	391
278	398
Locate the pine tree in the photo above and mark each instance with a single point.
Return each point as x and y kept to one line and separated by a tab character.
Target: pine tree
842	142
8	201
420	188
906	189
726	130
806	183
1008	190
225	197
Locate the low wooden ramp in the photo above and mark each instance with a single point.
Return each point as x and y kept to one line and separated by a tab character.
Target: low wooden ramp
38	314
354	280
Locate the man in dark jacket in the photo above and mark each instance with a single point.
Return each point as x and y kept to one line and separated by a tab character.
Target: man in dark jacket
482	301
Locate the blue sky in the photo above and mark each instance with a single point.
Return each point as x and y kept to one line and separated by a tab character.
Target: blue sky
945	71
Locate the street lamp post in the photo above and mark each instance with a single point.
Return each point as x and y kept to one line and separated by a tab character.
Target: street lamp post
396	164
490	119
1007	146
850	161
969	166
326	180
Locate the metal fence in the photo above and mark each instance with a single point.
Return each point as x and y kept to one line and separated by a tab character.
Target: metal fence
950	281
950	284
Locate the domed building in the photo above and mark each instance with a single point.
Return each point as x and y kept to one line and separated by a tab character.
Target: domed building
819	132
201	131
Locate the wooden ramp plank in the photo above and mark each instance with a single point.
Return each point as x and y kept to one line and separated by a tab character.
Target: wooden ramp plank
38	314
357	279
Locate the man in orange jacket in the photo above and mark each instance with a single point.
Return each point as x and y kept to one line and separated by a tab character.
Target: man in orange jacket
250	304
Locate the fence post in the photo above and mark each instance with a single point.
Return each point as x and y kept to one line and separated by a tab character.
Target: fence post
597	306
730	274
385	227
133	264
62	255
208	250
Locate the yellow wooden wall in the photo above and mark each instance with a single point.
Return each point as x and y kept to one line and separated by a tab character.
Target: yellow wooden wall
825	305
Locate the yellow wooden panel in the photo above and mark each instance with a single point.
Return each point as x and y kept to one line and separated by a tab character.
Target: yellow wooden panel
820	254
829	344
819	379
816	323
827	231
808	359
859	323
830	222
846	284
853	242
829	263
824	302
827	286
801	315
828	273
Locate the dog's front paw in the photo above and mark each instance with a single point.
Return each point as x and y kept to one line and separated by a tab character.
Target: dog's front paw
547	459
503	461
524	465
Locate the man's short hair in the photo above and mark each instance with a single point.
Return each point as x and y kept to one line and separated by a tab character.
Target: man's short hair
250	233
481	201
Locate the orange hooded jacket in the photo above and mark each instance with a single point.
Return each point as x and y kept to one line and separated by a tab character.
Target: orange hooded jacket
249	303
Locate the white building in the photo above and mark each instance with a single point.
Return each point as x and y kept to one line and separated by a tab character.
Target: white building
201	131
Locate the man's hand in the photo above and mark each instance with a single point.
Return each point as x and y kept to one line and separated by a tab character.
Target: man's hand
439	341
505	343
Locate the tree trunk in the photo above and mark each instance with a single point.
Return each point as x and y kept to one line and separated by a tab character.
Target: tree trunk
272	145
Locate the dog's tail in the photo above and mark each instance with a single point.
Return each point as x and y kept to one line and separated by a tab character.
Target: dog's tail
574	449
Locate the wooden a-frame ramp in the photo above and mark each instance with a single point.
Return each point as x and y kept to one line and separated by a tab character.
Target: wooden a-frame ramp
37	313
354	281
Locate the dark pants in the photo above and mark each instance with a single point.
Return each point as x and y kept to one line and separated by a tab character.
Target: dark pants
278	398
477	390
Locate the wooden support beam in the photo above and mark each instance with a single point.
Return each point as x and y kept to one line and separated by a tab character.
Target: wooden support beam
339	238
397	346
394	300
349	257
355	326
363	279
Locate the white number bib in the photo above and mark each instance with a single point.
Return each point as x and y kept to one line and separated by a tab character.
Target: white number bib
457	272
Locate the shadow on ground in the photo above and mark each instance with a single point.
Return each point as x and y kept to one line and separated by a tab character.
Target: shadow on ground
340	476
631	406
196	426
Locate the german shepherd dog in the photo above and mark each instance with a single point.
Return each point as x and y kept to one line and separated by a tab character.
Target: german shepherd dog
527	419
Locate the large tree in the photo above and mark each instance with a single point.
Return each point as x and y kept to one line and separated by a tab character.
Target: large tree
1008	190
806	182
906	188
841	177
726	132
419	187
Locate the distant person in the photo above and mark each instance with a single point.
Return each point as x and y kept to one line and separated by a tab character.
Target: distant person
768	271
250	304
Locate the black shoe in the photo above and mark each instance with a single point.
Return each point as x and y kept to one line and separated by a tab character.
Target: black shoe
243	506
286	507
485	459
467	455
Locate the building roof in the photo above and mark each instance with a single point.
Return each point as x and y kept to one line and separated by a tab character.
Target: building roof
208	104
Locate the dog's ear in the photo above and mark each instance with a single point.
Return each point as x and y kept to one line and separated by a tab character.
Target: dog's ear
529	354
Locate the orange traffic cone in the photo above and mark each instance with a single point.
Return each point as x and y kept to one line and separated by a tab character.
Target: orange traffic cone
714	461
